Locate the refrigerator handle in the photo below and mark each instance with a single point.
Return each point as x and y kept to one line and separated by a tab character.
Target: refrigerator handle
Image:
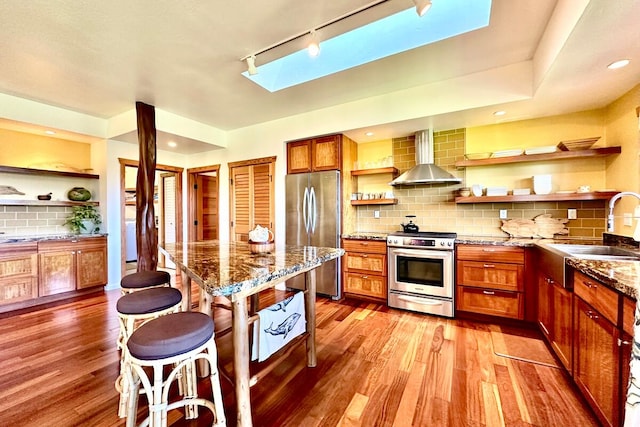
305	206
314	210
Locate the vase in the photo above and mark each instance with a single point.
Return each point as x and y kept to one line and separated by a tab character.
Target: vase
79	194
87	226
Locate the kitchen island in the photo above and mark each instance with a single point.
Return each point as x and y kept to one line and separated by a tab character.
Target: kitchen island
231	270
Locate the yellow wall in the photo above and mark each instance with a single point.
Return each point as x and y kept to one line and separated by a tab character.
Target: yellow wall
42	152
371	155
567	175
623	171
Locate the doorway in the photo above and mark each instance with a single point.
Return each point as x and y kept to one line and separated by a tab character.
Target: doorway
204	190
167	208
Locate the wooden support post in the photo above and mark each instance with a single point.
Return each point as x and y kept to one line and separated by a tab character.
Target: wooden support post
146	232
310	311
241	360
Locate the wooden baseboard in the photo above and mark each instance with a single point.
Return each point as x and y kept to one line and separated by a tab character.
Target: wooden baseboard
46	302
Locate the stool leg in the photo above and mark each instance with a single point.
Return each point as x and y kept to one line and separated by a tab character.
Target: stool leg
214	378
133	391
157	408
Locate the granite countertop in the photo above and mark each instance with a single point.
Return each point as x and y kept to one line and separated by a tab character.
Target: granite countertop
621	275
224	269
36	238
365	235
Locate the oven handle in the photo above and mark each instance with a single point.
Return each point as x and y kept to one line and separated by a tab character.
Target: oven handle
421	253
420	300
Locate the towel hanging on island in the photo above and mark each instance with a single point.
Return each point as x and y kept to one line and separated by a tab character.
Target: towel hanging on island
278	325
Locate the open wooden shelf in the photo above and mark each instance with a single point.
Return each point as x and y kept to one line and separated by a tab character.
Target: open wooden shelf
374	202
558	155
556	197
393	171
7	202
44	172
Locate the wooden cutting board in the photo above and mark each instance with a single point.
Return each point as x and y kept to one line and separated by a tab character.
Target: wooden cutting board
541	226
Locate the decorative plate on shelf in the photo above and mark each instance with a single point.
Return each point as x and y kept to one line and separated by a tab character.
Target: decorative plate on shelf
477	156
541	150
507	153
578	144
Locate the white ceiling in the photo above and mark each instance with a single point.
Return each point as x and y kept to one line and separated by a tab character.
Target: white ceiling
99	58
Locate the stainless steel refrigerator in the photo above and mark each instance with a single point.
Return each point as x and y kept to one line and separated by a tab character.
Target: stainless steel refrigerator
313	219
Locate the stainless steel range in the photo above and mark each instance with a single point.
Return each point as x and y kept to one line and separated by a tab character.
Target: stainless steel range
421	272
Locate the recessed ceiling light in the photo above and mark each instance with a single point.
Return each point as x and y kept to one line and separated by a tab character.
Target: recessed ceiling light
369	134
618	64
499	113
172	144
49	132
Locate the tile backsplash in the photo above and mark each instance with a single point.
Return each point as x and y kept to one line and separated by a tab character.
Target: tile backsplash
33	220
435	208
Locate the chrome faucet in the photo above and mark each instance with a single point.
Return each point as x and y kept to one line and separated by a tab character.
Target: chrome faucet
613	201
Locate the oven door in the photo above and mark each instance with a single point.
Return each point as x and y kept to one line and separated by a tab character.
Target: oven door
421	271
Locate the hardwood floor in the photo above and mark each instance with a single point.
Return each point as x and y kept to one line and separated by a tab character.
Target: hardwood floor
376	367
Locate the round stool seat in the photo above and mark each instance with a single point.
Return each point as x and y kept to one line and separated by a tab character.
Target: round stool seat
145	279
148	301
170	335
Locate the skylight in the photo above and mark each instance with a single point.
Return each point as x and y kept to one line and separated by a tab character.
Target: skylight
394	34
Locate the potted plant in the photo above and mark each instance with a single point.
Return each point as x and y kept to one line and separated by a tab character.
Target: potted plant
84	219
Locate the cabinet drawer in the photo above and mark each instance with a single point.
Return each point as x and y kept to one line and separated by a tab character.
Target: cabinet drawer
490	253
366	263
597	295
24	265
491	302
18	289
370	246
493	275
366	284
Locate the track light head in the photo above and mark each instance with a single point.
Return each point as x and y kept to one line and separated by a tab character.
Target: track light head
251	65
314	46
422	6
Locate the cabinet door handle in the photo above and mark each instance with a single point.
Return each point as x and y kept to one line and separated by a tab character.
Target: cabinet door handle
592	315
79	252
488	292
489	266
591	285
364	256
549	280
623	342
488	250
365	277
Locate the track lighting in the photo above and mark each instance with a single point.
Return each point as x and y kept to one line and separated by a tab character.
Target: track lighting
314	46
251	65
422	6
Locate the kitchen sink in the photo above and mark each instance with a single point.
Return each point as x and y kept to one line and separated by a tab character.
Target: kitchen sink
596	252
552	257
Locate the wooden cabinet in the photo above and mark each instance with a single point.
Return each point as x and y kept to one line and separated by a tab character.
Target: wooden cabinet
490	280
314	155
18	272
70	264
364	268
596	367
555	319
597	347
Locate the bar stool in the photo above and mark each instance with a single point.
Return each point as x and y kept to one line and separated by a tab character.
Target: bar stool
180	340
134	309
144	280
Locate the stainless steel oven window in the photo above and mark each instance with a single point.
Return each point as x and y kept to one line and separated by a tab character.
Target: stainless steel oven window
421	271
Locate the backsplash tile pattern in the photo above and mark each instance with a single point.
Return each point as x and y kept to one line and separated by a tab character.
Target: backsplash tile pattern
435	208
33	220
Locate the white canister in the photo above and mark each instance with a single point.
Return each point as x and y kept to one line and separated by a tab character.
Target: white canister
542	184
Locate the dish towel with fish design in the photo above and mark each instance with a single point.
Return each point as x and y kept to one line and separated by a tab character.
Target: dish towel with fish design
279	324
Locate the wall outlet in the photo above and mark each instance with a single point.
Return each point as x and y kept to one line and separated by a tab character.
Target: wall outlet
628	219
503	214
376	214
572	213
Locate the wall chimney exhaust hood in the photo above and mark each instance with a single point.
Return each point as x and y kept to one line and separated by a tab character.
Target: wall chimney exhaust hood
425	171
